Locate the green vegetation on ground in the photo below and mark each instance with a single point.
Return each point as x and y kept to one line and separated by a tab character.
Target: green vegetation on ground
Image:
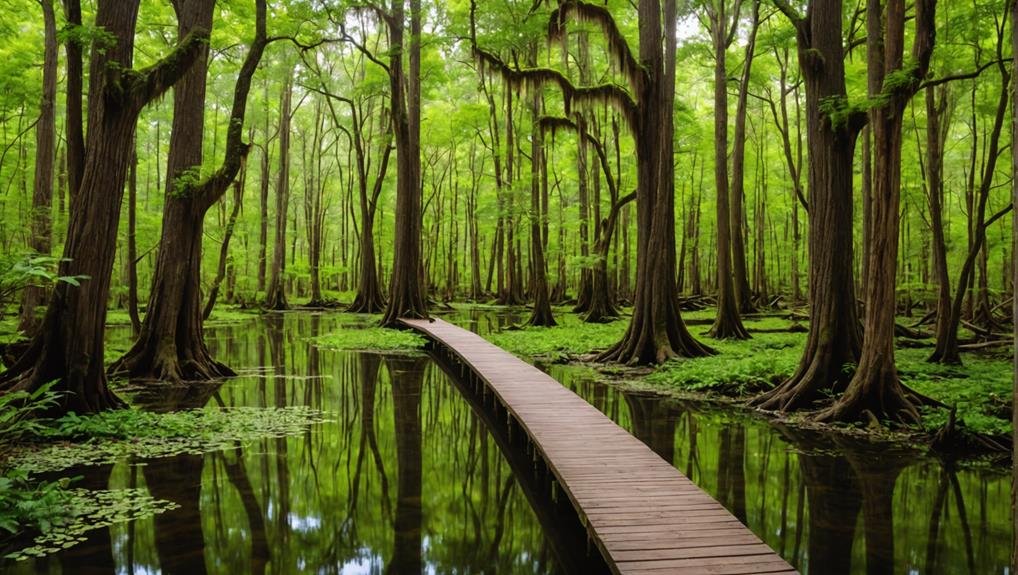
980	390
570	337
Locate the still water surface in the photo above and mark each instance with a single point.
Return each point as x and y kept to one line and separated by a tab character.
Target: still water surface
406	478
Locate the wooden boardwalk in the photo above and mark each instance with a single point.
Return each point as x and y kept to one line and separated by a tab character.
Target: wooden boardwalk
644	516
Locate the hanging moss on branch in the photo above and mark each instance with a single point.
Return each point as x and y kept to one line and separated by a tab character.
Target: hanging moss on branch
530	79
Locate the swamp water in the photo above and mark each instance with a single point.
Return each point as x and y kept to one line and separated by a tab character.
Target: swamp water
406	478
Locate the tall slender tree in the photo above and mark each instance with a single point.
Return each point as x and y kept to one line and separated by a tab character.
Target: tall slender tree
743	295
541	315
723	26
656	331
42	184
275	292
407	283
74	124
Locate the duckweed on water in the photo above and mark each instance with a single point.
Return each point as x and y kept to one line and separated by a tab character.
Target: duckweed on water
62	515
371	339
87	510
126	433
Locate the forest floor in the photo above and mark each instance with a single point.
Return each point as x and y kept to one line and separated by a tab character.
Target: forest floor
980	389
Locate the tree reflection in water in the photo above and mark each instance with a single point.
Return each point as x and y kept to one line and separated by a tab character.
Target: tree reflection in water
406	376
407	477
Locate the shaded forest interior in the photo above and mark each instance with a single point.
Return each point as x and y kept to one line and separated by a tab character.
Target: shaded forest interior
844	168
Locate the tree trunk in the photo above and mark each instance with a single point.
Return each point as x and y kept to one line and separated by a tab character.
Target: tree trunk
42	185
370	297
171	345
937	126
541	315
132	242
834	339
224	249
263	201
472	233
68	348
728	323
275	293
875	390
743	296
656	331
74	115
407	284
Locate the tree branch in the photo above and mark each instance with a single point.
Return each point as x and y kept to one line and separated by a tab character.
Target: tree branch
612	94
599	15
789	12
145	85
210	190
554	123
963	76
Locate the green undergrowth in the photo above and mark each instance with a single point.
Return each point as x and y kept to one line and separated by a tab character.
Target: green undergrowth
371	339
29	504
570	337
980	389
740	366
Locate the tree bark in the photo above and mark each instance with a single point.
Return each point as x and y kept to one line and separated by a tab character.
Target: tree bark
875	390
74	115
275	293
224	249
369	298
937	126
656	331
407	284
728	323
541	315
743	295
132	242
834	339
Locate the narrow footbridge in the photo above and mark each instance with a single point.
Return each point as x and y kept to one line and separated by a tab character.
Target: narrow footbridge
643	515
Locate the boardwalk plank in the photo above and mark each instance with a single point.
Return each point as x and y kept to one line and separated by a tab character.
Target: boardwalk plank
644	515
